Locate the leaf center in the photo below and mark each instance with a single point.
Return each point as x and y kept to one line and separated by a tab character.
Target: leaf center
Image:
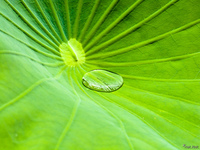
72	52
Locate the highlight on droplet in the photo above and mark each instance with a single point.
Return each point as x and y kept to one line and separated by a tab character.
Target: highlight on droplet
102	80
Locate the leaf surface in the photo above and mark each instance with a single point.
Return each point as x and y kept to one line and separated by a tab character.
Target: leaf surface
153	44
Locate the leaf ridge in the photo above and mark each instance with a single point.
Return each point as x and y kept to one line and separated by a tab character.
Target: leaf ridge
128	64
89	20
144	43
156	110
30	36
33	59
72	117
47	21
33	48
99	22
78	13
28	90
39	23
112	25
158	79
58	21
139	117
68	19
130	30
29	25
164	95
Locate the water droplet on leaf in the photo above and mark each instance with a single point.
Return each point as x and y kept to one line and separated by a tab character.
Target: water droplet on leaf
102	81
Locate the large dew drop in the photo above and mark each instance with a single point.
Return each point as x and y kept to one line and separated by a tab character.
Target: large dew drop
102	81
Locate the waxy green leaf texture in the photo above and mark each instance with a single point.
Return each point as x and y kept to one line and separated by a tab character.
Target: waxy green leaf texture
153	44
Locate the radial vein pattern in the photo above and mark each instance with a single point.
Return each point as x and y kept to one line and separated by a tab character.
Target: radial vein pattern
152	44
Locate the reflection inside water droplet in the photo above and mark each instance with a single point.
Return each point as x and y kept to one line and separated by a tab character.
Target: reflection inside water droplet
102	81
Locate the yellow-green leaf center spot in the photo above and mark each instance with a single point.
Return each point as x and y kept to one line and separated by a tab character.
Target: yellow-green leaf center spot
72	52
102	81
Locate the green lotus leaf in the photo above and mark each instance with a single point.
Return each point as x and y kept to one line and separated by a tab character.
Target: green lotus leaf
47	46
